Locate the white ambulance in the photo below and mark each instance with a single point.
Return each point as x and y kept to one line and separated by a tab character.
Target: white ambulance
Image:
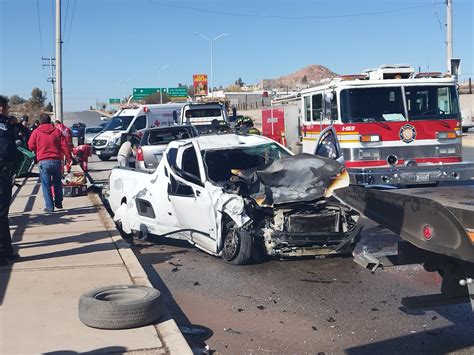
133	120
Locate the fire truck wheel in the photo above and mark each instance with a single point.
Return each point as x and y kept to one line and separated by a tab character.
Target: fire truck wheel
120	307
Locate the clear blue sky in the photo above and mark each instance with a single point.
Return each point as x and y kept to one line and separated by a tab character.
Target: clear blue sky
112	46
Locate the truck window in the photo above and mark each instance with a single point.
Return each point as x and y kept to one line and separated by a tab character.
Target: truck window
317	101
140	123
432	102
328	146
372	104
189	162
307	109
171	156
334	115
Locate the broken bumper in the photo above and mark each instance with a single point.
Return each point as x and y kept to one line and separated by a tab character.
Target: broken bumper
287	244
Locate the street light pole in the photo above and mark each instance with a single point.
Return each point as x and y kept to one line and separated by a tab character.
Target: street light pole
211	40
161	82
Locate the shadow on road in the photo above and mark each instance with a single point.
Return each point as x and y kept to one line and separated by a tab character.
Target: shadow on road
195	335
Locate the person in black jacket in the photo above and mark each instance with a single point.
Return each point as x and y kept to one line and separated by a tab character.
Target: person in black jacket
8	157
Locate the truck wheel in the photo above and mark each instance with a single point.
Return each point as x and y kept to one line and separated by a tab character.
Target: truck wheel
237	249
103	158
140	235
120	307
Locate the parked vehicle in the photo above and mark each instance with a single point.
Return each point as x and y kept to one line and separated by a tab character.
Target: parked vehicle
77	129
394	127
133	120
209	117
154	142
90	133
239	197
467	119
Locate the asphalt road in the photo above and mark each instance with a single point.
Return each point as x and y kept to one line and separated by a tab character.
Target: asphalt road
90	118
303	306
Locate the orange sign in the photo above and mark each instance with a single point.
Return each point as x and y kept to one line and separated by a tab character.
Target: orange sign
200	84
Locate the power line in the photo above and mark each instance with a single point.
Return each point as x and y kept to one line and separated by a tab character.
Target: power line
52	17
39	26
65	17
70	24
294	17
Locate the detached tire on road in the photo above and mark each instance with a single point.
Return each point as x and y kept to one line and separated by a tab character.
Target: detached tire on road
120	307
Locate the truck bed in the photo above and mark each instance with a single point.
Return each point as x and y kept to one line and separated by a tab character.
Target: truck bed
436	219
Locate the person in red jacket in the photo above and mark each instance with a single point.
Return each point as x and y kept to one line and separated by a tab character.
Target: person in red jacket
83	152
67	135
48	144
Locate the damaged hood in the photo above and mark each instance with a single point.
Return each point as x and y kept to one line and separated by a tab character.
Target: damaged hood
298	178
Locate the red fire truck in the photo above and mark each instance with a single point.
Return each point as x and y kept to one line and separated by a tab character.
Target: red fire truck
394	126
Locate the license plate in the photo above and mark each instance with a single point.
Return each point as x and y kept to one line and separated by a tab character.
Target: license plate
422	177
97	152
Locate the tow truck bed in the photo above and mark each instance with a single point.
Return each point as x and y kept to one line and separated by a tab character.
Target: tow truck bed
437	221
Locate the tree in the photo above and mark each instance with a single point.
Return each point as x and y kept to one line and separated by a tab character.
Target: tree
234	88
239	82
37	98
17	100
155	98
49	107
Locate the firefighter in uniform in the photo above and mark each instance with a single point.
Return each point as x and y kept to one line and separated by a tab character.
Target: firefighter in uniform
245	125
8	158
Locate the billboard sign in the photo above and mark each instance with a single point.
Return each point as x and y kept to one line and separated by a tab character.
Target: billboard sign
200	84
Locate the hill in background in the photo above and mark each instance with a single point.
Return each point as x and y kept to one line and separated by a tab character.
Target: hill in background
307	76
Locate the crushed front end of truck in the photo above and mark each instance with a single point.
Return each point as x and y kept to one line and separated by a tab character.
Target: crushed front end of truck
291	209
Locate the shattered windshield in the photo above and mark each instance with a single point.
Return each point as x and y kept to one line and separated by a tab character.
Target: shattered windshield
219	163
372	104
119	123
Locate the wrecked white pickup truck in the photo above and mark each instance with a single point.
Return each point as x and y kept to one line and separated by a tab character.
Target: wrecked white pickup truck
239	197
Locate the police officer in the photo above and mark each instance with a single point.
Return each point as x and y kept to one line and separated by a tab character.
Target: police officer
8	157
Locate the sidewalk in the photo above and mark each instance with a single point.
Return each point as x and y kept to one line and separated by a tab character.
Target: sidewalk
63	255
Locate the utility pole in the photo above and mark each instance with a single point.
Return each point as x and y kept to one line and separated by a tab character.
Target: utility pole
449	34
59	80
211	41
161	82
51	78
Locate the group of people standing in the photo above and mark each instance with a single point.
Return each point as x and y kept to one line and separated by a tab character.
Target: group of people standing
52	145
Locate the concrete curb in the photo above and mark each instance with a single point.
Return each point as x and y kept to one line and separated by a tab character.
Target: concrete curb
168	331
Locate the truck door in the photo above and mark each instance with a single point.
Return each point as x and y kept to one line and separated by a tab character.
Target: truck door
327	145
191	201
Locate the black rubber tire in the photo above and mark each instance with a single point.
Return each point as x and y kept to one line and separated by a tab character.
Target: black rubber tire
120	307
103	158
465	129
140	235
237	249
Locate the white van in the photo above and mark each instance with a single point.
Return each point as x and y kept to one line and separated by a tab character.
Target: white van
133	120
205	117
